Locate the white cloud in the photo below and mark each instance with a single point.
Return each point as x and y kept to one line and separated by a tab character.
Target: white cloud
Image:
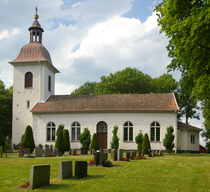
4	34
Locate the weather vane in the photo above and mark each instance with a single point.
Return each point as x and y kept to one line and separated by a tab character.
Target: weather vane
36	16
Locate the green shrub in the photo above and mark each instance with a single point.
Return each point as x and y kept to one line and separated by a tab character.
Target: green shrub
28	139
85	139
146	144
2	143
60	142
66	139
60	127
139	140
1	151
208	146
168	142
115	139
95	143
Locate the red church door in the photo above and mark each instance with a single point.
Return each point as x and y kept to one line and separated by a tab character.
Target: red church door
102	134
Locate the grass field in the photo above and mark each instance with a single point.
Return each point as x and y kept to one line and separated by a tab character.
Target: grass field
166	173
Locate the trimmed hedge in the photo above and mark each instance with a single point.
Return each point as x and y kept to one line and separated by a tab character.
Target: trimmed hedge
139	140
85	139
115	139
28	139
146	144
95	143
66	139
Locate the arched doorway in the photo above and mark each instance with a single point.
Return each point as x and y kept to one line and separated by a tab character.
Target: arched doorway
102	134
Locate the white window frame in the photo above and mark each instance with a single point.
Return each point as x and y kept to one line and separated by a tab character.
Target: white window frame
129	128
76	126
52	128
155	127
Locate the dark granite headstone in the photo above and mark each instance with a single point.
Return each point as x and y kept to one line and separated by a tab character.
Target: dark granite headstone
80	169
65	169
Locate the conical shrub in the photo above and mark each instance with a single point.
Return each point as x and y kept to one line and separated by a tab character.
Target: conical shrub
146	144
28	139
95	143
66	139
60	142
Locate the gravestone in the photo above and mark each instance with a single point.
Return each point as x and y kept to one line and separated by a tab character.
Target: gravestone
113	155
39	146
37	152
132	154
80	169
47	151
119	154
65	169
127	154
153	153
59	154
39	176
96	158
160	153
70	152
149	153
24	151
51	148
73	152
55	151
102	157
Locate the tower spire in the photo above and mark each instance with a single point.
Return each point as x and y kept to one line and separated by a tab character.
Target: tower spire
36	30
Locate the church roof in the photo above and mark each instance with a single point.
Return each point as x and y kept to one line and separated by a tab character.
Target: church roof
181	125
33	52
112	102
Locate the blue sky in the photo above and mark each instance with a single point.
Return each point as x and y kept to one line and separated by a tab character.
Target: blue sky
86	39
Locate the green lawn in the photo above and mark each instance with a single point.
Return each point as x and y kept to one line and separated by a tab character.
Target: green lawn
167	173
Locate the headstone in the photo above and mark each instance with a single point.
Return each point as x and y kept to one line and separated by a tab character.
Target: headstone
119	154
127	154
96	158
70	152
113	155
51	148
59	154
103	158
132	154
39	146
47	151
24	151
39	176
80	169
73	152
65	169
142	153
149	153
55	151
153	153
37	152
139	154
160	153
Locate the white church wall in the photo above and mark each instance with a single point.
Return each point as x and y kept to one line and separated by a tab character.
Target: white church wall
140	121
193	146
21	113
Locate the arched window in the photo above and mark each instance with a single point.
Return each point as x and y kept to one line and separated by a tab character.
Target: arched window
128	131
49	83
50	131
28	80
155	131
75	131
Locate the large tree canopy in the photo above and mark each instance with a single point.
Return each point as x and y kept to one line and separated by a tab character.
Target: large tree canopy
5	110
186	24
129	80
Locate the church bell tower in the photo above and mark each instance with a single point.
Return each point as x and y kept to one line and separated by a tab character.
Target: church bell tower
33	80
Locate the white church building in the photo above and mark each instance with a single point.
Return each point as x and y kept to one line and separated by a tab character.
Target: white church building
35	104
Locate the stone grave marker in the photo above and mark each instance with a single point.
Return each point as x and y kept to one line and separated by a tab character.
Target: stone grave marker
39	146
55	151
149	153
96	158
73	152
39	176
119	154
80	169
153	153
47	151
160	153
127	154
37	152
70	152
113	155
51	148
65	169
59	154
